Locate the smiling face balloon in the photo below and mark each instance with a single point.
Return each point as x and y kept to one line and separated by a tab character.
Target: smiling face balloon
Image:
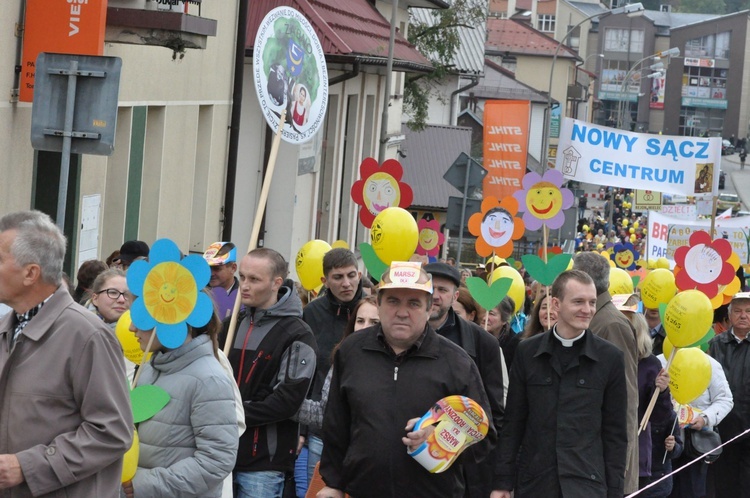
497	227
379	188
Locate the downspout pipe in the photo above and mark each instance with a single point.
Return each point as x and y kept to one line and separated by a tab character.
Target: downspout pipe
474	82
234	126
21	27
346	76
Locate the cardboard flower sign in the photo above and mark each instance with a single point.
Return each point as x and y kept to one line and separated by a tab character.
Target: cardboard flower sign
625	256
496	227
704	264
430	238
379	188
169	293
543	199
460	421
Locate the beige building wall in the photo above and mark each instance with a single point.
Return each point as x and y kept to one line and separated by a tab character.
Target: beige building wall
188	106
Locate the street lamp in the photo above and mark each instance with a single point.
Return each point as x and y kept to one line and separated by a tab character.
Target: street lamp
634	9
658	67
578	65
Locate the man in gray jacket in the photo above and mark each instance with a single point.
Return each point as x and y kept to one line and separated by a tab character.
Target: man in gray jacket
66	418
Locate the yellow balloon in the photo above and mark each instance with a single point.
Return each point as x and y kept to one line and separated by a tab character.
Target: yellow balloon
394	235
631	230
651	264
340	244
130	460
636	225
657	288
620	282
662	263
309	263
687	318
633	238
517	290
130	347
689	375
625	222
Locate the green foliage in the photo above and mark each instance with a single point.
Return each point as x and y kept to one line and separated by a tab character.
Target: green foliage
276	48
438	40
703	6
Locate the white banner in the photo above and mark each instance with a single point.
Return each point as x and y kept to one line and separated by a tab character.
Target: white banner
606	156
667	233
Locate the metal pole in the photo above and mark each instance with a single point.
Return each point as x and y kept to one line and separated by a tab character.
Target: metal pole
62	192
388	78
463	213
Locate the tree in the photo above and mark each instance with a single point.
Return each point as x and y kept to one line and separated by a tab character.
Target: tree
438	39
703	6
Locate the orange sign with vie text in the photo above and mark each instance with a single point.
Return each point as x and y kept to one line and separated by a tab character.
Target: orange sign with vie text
506	139
62	27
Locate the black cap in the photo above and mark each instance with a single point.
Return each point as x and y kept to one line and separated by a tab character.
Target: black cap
132	250
444	270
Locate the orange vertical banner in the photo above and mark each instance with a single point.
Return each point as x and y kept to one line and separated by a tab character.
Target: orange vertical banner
506	139
62	27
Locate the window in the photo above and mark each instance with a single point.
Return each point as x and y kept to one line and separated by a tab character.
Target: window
695	122
546	23
623	40
709	46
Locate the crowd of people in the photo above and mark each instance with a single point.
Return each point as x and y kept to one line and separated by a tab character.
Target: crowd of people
322	397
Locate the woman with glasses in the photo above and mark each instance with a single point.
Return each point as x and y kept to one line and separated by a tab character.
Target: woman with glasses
110	298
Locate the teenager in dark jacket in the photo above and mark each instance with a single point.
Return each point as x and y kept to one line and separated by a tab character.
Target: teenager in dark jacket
273	357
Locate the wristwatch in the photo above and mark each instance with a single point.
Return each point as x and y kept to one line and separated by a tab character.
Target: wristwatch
705	419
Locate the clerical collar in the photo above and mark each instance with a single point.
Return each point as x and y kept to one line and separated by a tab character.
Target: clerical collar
566	342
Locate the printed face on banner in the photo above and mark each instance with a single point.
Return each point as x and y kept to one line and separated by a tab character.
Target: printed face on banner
290	73
669	164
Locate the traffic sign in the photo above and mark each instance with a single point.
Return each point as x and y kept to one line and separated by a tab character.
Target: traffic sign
457	174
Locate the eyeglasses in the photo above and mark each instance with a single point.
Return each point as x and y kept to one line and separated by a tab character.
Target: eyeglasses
114	294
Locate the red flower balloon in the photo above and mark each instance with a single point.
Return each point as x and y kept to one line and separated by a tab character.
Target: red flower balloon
430	238
379	188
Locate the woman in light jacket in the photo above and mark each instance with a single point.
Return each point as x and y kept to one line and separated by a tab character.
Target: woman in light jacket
190	446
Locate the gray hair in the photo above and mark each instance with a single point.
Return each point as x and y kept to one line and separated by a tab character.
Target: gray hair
597	268
38	241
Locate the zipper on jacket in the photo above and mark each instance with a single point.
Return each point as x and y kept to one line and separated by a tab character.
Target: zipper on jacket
252	367
255	441
242	353
296	360
395	373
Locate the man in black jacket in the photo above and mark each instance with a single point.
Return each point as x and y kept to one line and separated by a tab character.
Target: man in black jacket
483	348
273	357
732	350
563	430
327	317
383	376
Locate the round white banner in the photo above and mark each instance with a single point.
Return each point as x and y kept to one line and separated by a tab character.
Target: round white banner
290	73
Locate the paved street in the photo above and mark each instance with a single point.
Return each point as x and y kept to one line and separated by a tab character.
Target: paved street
740	180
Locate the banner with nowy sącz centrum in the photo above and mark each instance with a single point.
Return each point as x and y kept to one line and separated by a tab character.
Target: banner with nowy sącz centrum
608	156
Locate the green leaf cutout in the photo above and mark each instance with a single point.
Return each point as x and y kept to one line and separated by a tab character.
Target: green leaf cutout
375	267
543	273
488	296
147	401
